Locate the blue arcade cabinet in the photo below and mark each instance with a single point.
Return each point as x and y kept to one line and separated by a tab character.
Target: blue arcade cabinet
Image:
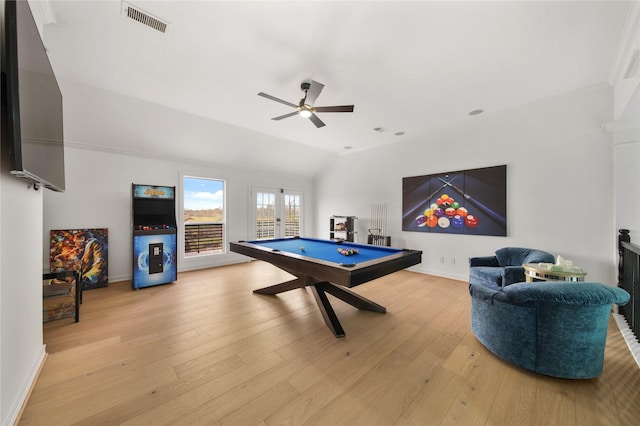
155	243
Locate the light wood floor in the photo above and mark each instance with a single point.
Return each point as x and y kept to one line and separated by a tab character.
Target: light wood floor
205	350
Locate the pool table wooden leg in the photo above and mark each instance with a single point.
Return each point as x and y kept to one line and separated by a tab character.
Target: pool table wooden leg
329	315
352	298
286	286
320	290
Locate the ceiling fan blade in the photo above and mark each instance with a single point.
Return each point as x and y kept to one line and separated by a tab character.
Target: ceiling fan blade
273	98
291	114
316	120
314	92
341	108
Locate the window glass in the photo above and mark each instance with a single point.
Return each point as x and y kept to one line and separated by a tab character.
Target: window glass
204	216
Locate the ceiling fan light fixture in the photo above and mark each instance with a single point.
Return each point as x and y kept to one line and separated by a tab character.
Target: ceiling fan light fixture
305	107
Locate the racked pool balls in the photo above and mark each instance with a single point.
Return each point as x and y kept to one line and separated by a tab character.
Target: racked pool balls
445	212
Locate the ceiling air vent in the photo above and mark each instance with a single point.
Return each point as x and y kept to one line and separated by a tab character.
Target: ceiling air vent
143	17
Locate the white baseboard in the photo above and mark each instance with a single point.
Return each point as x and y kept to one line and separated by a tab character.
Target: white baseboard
632	342
18	405
427	271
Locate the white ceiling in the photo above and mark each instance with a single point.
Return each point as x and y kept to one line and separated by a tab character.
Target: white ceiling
407	66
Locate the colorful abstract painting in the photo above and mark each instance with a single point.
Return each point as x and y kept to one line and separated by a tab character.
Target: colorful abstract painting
84	250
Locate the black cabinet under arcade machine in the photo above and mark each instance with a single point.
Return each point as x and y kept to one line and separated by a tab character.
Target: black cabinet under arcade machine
153	212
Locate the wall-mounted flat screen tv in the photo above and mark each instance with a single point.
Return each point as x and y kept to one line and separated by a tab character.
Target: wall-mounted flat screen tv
32	102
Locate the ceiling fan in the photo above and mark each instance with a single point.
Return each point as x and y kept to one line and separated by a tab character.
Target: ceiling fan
305	108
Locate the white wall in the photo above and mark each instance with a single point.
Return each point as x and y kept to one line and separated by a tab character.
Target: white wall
98	195
627	176
559	183
21	350
626	133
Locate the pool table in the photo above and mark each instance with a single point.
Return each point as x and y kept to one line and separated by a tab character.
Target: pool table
320	265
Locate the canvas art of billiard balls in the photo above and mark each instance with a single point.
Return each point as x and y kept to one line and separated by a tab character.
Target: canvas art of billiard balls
446	212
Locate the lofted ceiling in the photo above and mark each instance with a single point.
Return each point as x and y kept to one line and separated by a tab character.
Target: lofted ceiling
407	66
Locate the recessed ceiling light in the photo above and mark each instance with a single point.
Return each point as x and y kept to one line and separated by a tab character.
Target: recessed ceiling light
379	129
348	147
476	112
399	133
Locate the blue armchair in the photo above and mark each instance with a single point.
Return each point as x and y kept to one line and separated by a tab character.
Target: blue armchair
505	267
557	329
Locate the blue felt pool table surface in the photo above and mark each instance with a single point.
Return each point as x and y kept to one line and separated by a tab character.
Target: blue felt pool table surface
327	250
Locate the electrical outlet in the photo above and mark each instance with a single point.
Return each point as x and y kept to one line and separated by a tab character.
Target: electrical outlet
442	259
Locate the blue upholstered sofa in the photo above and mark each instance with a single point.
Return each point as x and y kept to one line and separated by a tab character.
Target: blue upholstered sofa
505	267
553	328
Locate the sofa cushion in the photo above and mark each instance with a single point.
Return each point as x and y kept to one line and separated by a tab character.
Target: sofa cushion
567	293
512	274
506	254
488	276
483	261
538	256
517	256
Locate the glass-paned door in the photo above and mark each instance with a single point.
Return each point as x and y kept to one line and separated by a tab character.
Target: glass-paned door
265	211
277	213
292	207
